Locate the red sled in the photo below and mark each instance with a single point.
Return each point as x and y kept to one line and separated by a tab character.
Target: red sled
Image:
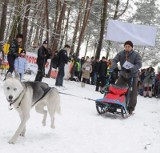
115	101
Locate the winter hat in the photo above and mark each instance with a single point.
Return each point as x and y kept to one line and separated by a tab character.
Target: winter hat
128	43
23	51
45	42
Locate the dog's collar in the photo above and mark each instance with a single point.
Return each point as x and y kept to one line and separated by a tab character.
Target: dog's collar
18	99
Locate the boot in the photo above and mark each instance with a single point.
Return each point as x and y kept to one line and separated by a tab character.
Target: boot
82	84
150	94
145	93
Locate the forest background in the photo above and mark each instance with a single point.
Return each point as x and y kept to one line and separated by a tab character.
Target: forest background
79	23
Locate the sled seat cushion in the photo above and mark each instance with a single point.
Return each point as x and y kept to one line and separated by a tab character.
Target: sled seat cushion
116	90
111	98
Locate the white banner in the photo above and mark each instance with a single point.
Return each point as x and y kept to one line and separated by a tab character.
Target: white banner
140	35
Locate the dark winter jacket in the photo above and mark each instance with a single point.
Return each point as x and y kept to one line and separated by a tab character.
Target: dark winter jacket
13	49
96	67
133	57
149	76
102	71
43	55
63	57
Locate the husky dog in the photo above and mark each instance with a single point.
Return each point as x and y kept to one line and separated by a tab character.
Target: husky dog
24	95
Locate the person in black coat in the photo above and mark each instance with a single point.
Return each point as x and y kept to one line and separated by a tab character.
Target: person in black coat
13	52
43	55
63	59
102	72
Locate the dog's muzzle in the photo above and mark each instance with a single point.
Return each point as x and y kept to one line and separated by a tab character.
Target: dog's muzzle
10	99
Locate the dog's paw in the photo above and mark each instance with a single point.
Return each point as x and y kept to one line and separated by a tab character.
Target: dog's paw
44	123
11	141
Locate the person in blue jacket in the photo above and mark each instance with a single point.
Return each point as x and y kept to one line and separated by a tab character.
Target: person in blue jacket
20	64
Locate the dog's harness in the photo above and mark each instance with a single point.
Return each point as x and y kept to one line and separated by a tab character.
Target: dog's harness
20	97
45	92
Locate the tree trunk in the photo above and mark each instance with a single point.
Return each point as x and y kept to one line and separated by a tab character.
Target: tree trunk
25	22
85	21
40	36
65	28
103	21
3	19
32	22
62	34
108	49
77	26
19	19
57	33
47	20
38	32
58	28
16	21
87	45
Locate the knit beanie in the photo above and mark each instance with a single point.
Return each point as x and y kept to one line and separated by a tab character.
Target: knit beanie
23	51
128	43
45	42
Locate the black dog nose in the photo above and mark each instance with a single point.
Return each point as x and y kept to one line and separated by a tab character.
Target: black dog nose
10	97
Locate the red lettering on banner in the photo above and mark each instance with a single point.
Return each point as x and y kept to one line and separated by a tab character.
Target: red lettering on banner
31	59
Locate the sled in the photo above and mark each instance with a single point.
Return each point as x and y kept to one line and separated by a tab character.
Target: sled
114	101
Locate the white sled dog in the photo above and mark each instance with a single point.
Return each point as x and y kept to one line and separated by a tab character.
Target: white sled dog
24	95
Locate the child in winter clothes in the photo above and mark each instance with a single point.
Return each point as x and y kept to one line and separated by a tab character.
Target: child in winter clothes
20	64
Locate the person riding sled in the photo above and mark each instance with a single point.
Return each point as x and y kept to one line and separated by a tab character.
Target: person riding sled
130	62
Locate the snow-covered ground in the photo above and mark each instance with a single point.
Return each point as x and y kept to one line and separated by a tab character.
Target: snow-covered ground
79	128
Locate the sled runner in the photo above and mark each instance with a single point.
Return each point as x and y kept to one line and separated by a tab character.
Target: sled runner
114	101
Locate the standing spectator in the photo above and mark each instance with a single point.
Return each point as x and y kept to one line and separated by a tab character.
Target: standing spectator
95	68
157	85
92	73
20	64
13	52
82	61
63	59
43	55
112	77
78	68
148	82
102	73
73	68
54	61
130	62
140	81
86	71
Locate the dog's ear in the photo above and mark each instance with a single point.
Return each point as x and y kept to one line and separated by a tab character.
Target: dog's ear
17	76
9	75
